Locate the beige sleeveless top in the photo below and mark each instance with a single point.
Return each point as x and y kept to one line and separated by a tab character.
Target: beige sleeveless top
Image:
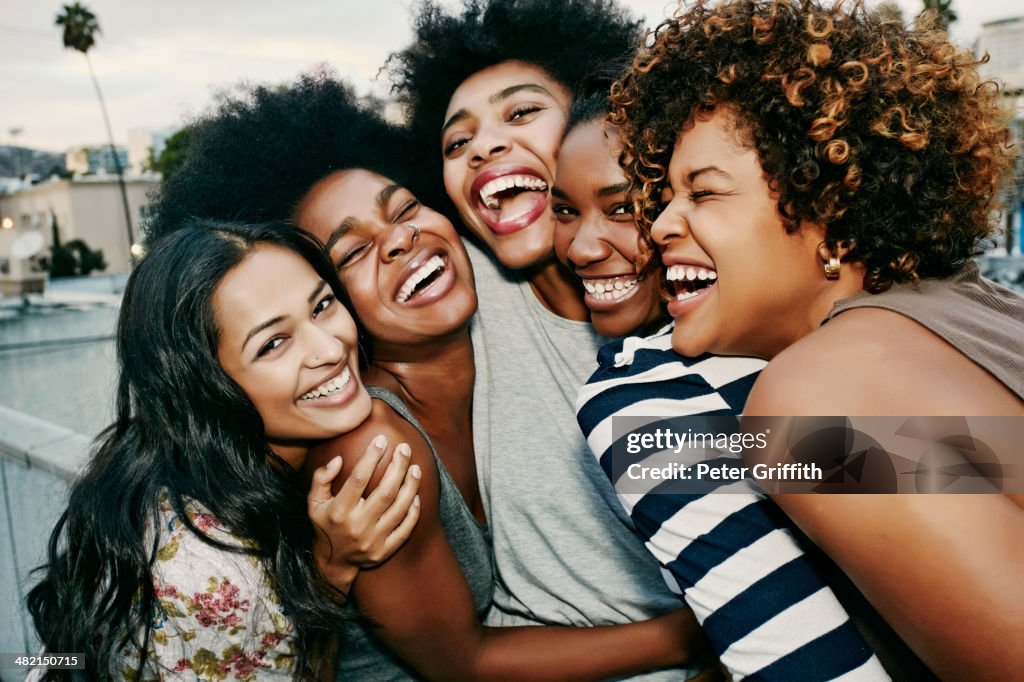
981	319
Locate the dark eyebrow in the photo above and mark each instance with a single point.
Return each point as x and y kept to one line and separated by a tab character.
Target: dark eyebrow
386	193
556	192
513	89
462	114
454	118
613	189
280	318
316	292
260	327
692	175
340	231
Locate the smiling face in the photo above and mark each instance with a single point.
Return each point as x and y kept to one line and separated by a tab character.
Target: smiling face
595	234
741	285
403	265
291	346
501	134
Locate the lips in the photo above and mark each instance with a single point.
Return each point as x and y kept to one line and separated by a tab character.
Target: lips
336	388
509	198
688	284
605	293
428	276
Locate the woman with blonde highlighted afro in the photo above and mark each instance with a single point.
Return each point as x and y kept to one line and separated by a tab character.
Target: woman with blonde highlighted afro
817	181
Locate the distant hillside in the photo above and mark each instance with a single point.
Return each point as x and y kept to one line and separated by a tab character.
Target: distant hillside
15	161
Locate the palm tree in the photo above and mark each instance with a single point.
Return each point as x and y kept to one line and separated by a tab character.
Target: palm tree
80	30
944	12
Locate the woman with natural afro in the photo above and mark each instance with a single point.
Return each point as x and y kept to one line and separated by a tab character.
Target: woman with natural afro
488	87
832	174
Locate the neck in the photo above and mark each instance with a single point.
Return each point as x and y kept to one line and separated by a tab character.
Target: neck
851	280
434	378
558	290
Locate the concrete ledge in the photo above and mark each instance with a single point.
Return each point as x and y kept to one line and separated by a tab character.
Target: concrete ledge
34	443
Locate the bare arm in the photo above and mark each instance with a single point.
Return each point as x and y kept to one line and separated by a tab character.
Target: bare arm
353	532
943	570
426	612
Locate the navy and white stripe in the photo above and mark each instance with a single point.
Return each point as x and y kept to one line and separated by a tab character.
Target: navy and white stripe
732	557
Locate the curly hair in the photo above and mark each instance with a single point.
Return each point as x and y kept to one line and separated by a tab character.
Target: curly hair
566	39
883	133
259	152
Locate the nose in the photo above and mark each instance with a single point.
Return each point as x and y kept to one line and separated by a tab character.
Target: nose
322	346
397	240
487	143
588	246
671	224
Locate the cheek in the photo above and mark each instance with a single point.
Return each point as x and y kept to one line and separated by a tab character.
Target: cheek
548	141
563	237
453	177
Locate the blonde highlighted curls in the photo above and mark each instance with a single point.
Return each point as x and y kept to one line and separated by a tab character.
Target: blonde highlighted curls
885	134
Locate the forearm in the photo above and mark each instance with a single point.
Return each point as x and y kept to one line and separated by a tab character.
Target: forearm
585	653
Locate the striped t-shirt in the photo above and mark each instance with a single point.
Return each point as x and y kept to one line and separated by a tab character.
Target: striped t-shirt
732	556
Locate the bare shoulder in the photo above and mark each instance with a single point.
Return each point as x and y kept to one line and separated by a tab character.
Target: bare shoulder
354	445
871	361
817	374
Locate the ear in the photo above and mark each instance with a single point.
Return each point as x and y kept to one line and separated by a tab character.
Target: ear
827	249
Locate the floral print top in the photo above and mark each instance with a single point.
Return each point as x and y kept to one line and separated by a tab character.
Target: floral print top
219	619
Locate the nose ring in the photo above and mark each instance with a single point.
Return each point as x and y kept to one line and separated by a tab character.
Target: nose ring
415	231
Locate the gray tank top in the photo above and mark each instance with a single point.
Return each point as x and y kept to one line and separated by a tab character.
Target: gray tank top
363	656
981	319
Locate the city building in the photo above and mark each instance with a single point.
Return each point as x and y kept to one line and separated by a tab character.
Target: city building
95	159
142	142
89	208
1003	41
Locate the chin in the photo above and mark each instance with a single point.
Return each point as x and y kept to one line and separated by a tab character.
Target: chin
685	343
613	326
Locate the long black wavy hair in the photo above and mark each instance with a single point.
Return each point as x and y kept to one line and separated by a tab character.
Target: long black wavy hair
254	156
566	39
187	430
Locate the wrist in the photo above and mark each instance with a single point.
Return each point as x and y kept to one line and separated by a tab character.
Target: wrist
340	577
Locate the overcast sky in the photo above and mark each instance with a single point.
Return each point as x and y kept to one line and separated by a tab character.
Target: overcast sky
159	62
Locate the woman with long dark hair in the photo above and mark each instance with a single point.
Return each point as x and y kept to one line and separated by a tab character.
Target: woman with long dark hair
192	542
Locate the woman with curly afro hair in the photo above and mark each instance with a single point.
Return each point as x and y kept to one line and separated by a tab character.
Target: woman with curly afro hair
488	88
817	180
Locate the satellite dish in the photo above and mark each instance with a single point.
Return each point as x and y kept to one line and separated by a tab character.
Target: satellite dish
28	244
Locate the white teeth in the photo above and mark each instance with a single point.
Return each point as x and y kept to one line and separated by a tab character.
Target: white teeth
424	271
678	273
329	387
610	289
497	185
685	295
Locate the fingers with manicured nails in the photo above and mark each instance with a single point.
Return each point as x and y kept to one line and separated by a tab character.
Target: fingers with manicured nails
399	535
320	489
355	484
397	522
386	492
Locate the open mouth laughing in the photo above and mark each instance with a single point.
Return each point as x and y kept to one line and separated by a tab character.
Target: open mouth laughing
509	199
426	278
687	283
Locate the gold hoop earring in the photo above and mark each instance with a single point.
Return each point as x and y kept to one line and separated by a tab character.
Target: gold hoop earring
415	231
833	265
